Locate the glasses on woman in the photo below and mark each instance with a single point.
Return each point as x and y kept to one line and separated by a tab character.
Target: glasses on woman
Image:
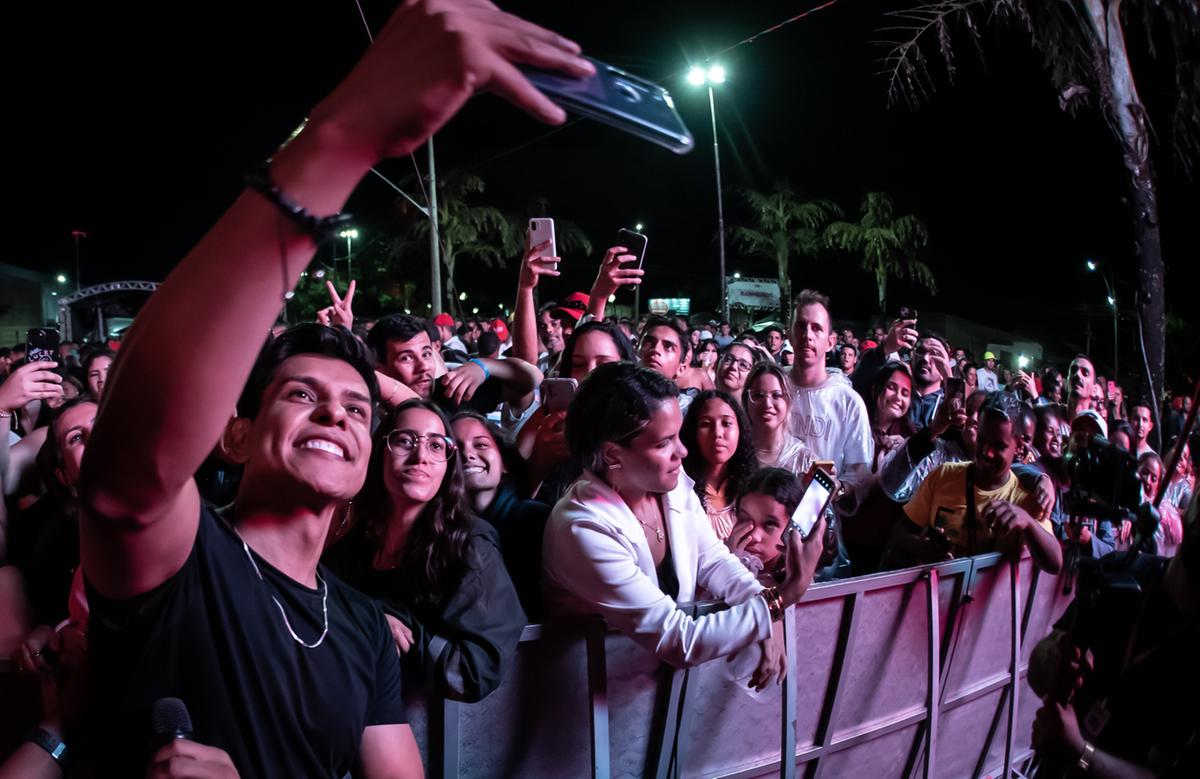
403	442
737	362
775	396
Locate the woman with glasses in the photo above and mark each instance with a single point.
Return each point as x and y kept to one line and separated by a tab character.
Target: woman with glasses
720	455
769	406
733	367
436	569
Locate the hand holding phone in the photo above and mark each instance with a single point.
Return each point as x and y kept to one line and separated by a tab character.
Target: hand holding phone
41	345
541	230
557	394
813	503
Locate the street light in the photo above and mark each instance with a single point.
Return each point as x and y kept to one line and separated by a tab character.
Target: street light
699	76
639	227
737	274
61	278
1094	267
462	296
349	234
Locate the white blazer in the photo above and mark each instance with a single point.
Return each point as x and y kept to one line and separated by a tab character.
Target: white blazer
597	561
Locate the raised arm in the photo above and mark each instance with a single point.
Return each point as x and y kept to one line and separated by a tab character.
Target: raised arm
534	265
166	406
610	278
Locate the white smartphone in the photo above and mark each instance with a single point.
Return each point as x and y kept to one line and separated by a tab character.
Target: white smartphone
540	231
813	503
557	394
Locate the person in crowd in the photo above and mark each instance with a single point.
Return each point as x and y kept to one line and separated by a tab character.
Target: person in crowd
970	375
978	506
1116	402
404	353
989	381
96	368
43	539
930	366
1141	423
1176	416
705	357
1117	702
772	339
733	367
663	349
488	346
1081	375
447	335
847	358
488	467
246	599
869	513
1099	402
1182	484
1121	433
765	504
827	414
691	379
716	434
542	441
768	403
436	568
630	540
1169	533
693	339
538	336
724	335
1052	387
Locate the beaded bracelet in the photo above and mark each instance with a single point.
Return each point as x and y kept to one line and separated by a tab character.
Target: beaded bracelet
322	229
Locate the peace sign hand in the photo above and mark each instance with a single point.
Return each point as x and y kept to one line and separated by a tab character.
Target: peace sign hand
341	312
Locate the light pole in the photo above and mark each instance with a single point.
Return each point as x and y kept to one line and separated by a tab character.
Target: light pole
77	234
698	76
349	235
1094	267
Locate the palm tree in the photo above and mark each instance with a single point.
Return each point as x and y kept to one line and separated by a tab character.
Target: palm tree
1082	43
887	244
784	226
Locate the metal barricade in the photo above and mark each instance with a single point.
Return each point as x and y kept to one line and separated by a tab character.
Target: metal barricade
912	673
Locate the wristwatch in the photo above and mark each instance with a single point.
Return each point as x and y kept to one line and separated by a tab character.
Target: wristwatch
1085	760
54	746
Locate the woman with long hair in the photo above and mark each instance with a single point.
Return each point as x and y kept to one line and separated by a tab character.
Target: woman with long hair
769	405
720	455
436	569
542	441
887	409
629	539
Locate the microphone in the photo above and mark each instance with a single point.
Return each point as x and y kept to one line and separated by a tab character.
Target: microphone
169	720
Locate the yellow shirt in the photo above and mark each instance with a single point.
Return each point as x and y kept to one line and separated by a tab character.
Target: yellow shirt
941	501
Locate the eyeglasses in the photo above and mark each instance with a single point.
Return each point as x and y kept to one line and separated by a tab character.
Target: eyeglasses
761	397
736	362
403	442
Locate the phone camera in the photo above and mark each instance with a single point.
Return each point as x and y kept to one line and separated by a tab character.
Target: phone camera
629	91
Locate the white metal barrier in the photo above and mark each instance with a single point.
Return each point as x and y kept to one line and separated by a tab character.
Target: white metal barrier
917	672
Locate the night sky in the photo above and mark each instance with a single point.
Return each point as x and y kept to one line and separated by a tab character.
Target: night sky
137	126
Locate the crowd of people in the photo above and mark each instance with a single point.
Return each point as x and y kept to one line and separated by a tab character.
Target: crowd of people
285	536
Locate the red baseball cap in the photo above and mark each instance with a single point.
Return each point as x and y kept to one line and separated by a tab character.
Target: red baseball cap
444	319
500	329
575	306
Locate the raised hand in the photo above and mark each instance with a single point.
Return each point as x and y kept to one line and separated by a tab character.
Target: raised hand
536	264
429	59
32	381
613	275
342	311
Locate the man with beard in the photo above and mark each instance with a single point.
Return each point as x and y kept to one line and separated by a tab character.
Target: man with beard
405	353
1080	378
930	366
1141	421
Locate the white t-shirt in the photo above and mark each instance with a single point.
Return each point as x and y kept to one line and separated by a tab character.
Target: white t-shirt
831	420
986	380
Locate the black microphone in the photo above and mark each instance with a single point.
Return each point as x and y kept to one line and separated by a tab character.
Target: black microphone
169	720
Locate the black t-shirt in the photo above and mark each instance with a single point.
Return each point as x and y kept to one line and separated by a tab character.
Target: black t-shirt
44	544
213	636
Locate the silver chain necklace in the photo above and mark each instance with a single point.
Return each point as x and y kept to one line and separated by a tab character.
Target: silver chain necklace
282	613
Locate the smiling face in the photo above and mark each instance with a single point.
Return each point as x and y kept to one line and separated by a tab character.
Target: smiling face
652	460
482	465
893	402
768	403
768	518
314	428
414	477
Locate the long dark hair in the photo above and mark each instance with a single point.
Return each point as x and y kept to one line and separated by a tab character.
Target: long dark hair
741	464
434	561
624	345
902	426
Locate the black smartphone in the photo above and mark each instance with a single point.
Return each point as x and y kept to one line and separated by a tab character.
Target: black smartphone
955	388
633	241
621	100
41	345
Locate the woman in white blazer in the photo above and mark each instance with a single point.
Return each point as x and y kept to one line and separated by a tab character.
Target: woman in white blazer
630	539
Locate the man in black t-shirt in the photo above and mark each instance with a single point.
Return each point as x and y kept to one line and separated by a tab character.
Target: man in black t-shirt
285	671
